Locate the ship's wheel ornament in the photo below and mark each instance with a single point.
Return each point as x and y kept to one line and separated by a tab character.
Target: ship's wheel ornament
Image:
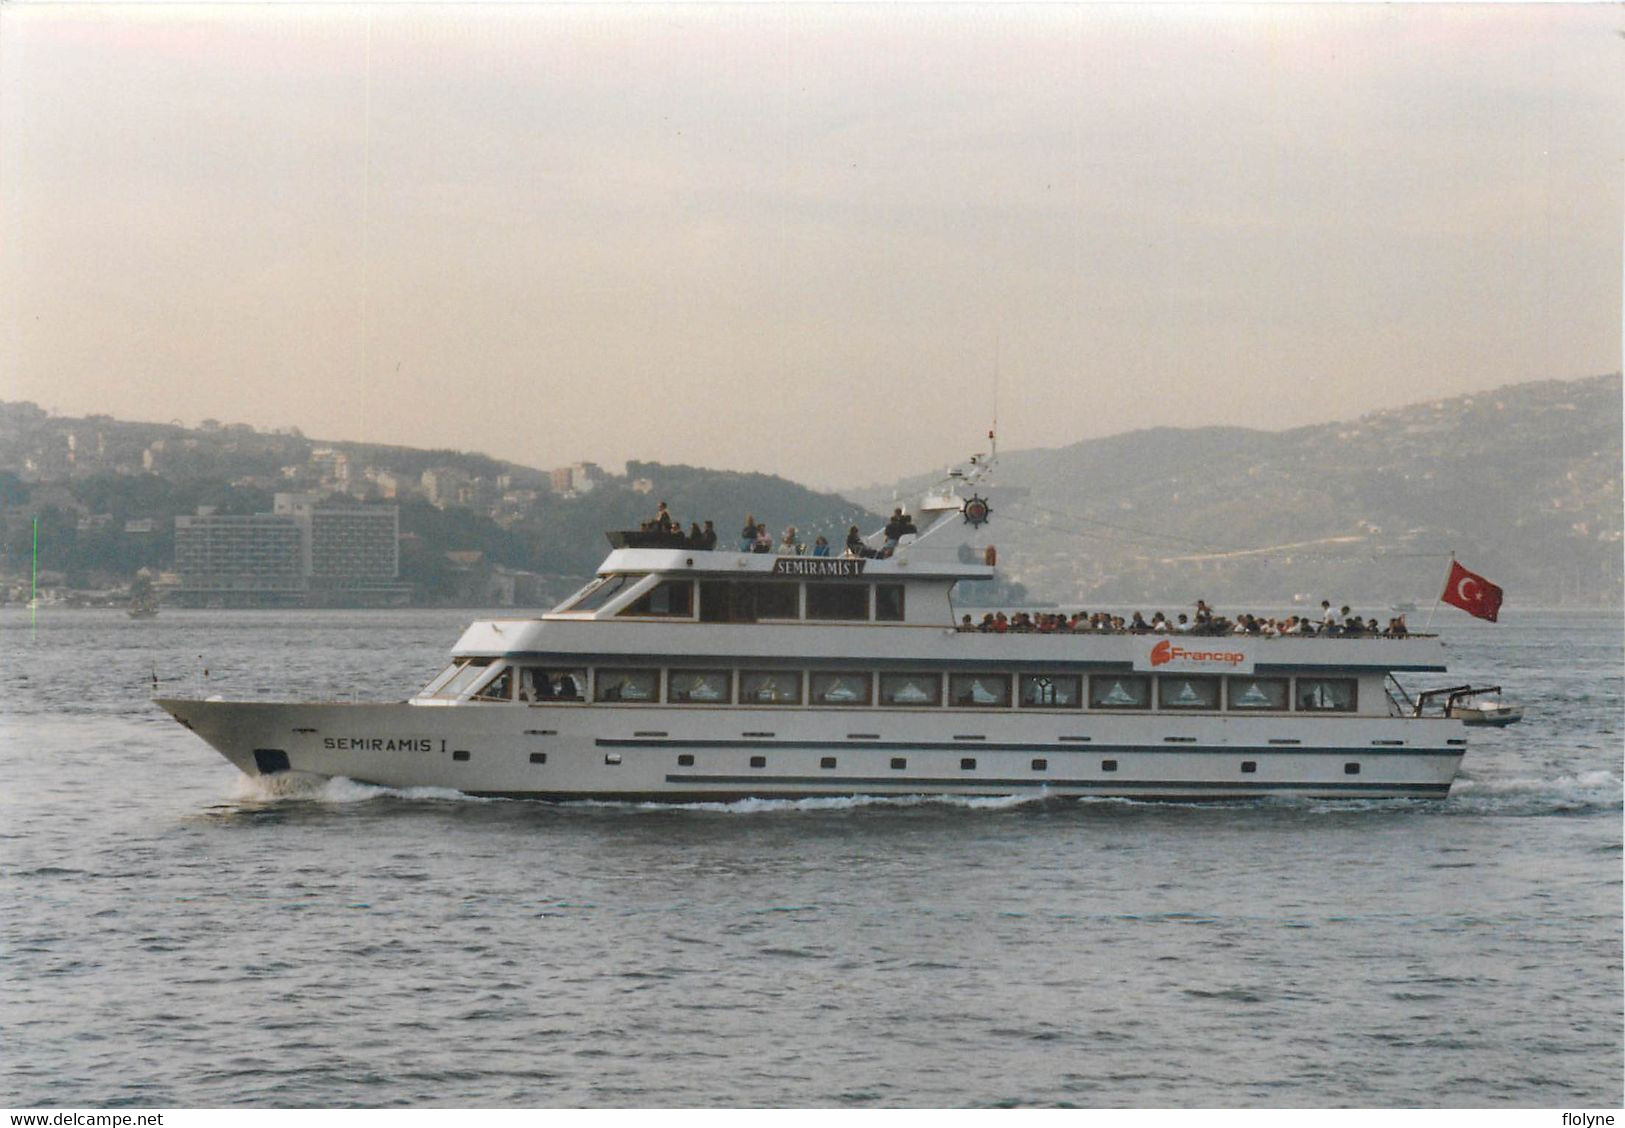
976	511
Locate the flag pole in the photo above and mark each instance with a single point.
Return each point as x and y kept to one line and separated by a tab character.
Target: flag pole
1437	599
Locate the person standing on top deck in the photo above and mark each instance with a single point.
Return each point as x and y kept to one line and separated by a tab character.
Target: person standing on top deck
708	538
894	532
663	521
747	535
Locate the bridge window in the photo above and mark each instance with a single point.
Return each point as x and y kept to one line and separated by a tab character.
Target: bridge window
538	683
464	674
699	687
991	691
1182	692
627	685
499	688
1262	694
770	687
911	689
1326	695
838	601
600	592
1119	691
1051	691
889	603
673	598
745	601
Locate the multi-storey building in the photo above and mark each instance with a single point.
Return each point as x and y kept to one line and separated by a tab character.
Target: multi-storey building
298	554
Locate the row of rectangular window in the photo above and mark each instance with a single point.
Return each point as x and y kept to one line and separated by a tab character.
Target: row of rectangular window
750	601
1106	692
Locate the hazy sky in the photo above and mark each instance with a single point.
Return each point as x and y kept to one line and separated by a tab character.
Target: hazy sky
800	239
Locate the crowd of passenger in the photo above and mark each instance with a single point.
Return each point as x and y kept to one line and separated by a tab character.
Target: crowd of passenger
1203	621
667	532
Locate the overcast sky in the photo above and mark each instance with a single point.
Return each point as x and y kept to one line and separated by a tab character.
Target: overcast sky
800	239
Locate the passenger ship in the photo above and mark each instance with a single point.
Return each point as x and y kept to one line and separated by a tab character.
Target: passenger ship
681	675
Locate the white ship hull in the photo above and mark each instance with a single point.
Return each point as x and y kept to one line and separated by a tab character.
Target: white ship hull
687	754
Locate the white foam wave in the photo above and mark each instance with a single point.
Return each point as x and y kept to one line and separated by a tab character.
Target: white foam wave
334	789
1598	789
828	803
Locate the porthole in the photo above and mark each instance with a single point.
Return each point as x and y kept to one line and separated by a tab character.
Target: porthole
1248	767
827	762
1351	769
612	758
758	761
967	764
686	760
1040	765
1108	765
538	757
460	754
898	763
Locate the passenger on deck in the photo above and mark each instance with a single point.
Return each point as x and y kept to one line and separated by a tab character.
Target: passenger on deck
1183	625
663	520
764	543
1139	625
788	545
820	547
696	536
708	538
747	535
1159	624
855	545
894	533
1396	627
964	624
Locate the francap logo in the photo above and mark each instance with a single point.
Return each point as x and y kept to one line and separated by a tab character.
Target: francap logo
1165	652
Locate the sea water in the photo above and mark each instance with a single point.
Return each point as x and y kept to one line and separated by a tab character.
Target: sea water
174	934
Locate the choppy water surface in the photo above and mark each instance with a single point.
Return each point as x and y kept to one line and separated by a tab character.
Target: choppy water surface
173	935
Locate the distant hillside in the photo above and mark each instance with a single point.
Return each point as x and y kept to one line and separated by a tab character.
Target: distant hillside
105	494
1523	483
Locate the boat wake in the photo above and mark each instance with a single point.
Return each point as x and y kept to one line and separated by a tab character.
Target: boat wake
1585	793
334	789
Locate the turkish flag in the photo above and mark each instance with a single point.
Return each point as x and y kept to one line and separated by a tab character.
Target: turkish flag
1472	593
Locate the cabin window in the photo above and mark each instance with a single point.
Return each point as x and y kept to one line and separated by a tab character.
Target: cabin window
838	601
1263	694
990	691
911	689
745	601
465	675
499	688
600	592
889	603
672	598
1178	691
770	687
627	685
1051	691
1326	695
1119	691
538	683
699	687
840	689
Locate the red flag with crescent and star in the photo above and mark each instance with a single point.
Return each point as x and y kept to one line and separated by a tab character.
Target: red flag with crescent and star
1472	593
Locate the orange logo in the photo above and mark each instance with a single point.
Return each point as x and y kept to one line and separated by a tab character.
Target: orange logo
1165	652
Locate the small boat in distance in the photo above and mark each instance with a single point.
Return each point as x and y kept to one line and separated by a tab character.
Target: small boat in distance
143	599
684	674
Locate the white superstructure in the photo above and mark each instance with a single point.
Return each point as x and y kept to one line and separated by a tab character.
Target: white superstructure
680	674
